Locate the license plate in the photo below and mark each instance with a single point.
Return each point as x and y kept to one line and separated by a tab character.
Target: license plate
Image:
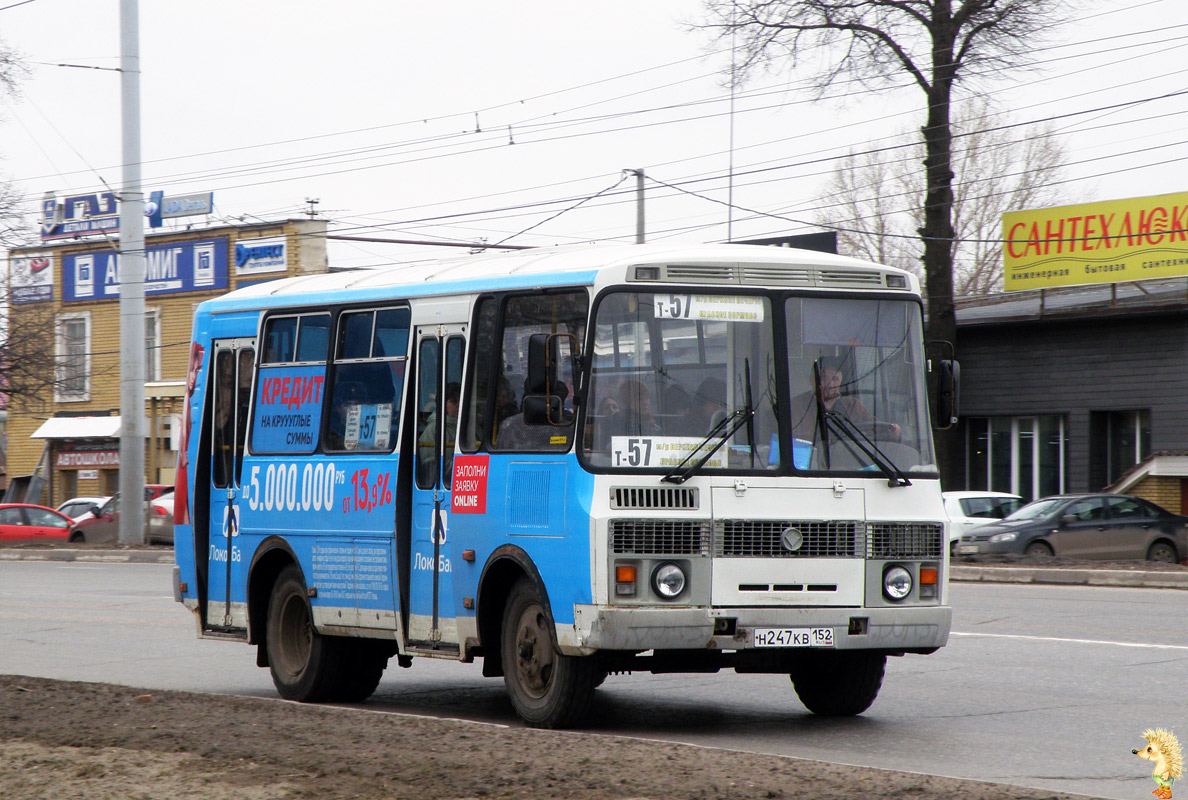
967	549
793	637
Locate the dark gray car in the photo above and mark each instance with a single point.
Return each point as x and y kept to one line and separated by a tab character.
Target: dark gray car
1090	526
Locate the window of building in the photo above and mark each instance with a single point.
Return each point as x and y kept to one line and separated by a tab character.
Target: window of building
74	358
1117	441
1026	456
152	344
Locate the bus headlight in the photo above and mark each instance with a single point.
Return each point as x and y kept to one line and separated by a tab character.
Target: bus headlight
897	583
668	580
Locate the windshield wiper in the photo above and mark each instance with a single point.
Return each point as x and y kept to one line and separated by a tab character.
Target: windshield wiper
845	426
725	428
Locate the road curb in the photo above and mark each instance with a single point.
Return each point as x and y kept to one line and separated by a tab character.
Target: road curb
1147	579
102	556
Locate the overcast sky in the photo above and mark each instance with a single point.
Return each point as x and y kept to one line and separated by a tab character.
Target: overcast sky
475	121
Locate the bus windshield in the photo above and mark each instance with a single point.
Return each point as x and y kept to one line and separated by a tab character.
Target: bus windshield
666	369
856	370
674	375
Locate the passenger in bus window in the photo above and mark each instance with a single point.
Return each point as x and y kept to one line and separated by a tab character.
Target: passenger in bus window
677	405
635	417
429	433
516	434
505	401
346	394
709	406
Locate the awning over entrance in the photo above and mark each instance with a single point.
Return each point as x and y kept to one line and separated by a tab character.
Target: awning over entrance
78	428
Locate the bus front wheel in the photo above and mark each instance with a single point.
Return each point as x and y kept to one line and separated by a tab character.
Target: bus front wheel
839	683
304	664
547	689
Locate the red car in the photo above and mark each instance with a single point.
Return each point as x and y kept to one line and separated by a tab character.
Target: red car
22	522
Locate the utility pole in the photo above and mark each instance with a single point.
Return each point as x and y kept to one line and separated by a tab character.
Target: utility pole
639	205
132	274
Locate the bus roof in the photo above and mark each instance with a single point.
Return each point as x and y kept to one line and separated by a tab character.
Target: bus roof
537	267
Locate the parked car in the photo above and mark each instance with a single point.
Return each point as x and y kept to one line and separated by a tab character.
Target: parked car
23	522
1091	526
79	508
968	510
160	520
104	526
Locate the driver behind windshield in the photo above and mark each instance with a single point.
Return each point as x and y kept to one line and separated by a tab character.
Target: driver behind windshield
829	386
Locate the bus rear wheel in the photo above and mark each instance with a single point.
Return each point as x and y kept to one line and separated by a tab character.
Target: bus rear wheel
838	683
547	689
305	665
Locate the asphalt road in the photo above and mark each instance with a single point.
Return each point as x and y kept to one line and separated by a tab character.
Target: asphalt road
1043	686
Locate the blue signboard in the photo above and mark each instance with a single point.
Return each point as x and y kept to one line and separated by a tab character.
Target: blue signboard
169	268
98	212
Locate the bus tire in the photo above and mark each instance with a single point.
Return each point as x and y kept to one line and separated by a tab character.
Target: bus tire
838	683
547	689
361	667
305	665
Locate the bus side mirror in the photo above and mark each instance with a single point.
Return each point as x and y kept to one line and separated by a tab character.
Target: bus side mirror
948	396
552	359
542	363
541	409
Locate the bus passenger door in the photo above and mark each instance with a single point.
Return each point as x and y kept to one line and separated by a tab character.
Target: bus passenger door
432	616
234	360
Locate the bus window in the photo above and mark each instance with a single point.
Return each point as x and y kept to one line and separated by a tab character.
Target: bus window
314	339
523	317
477	423
224	427
369	365
280	340
454	351
288	409
243	400
670	369
427	405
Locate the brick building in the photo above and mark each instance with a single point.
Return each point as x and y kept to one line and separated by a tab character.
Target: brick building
66	443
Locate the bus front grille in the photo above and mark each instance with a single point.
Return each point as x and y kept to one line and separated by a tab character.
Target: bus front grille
677	537
645	497
905	540
737	538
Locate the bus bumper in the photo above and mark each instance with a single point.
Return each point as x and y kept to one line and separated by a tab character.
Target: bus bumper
637	629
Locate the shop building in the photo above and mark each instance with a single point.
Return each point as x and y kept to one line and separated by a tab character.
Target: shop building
1077	389
65	443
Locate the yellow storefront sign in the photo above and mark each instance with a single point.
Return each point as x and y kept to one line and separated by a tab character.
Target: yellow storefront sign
1106	242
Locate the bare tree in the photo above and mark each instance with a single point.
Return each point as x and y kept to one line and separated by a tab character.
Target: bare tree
875	195
936	43
14	230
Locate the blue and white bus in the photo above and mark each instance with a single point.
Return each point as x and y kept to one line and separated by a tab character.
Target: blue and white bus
568	463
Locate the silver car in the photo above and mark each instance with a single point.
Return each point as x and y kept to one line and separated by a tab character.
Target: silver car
1091	526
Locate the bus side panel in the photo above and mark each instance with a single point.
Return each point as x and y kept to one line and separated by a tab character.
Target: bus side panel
537	502
337	514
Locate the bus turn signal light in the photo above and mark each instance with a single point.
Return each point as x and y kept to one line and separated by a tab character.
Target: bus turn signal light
928	583
625	579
